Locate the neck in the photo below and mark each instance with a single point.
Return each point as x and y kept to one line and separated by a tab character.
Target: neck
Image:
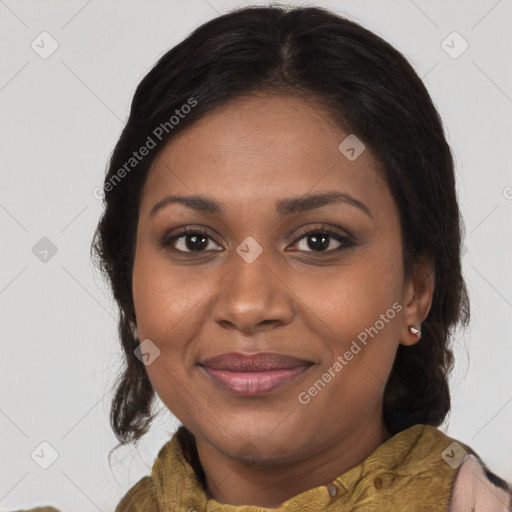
268	485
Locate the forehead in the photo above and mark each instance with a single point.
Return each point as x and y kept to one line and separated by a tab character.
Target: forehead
255	150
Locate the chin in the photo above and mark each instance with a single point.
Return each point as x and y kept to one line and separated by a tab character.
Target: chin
260	448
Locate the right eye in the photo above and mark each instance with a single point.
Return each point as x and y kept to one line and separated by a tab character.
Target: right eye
189	240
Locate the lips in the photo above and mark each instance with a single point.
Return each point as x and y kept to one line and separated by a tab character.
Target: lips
254	374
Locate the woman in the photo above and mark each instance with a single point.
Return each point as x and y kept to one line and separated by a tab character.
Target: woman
282	236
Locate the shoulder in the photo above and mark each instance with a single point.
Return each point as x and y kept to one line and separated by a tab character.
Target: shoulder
140	498
38	509
475	487
441	472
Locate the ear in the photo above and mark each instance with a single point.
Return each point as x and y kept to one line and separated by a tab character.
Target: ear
417	299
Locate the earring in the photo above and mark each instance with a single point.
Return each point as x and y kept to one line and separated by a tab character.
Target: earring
415	331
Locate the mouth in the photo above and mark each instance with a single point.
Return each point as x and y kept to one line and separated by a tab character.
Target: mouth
254	374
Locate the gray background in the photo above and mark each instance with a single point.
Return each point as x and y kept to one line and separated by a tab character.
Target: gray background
61	118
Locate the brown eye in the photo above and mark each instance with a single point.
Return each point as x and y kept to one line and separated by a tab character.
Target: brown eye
189	240
322	240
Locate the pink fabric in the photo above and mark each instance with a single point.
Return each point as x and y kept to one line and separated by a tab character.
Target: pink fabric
474	492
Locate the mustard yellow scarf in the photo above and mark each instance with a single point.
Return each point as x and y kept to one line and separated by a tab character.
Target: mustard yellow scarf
413	471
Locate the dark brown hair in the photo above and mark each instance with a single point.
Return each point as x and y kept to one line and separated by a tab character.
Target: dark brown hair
371	90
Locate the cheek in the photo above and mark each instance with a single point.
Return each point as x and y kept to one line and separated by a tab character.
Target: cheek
351	297
166	307
360	354
357	315
166	302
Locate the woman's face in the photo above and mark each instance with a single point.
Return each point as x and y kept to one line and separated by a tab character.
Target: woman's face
251	281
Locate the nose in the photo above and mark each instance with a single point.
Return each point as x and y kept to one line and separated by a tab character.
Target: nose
252	297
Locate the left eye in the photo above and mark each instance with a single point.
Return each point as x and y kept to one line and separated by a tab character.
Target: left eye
321	241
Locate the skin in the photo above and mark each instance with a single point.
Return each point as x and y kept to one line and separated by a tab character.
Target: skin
293	299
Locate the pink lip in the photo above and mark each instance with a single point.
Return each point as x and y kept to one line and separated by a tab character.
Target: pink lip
254	383
254	374
258	362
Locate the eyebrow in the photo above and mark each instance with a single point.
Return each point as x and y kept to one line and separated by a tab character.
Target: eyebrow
284	207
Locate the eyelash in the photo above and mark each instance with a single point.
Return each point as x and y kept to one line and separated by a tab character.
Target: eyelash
345	241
